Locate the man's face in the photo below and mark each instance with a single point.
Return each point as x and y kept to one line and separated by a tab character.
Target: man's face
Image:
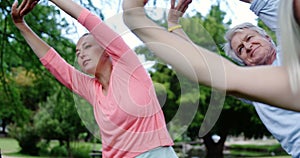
88	53
253	48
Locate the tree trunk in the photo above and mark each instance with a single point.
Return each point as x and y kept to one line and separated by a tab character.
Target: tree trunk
88	137
3	125
214	150
70	154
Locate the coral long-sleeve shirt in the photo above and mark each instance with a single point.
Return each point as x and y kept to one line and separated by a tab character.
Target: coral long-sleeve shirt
129	116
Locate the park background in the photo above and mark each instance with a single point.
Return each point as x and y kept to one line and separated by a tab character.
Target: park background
40	117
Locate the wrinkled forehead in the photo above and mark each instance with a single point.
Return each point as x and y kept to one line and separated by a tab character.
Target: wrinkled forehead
240	34
237	38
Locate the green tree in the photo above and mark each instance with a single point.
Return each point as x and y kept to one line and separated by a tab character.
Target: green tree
236	117
11	111
24	82
57	119
19	63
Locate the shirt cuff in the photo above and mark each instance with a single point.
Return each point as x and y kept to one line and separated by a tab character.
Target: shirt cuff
257	5
88	20
48	56
82	16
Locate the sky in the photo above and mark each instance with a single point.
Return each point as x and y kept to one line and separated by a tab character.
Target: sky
236	10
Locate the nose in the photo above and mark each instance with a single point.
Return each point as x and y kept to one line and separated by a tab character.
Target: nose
248	46
82	55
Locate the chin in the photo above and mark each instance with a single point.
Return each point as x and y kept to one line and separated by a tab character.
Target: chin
87	71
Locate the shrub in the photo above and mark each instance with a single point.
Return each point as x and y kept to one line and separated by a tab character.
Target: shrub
44	149
59	151
81	151
27	138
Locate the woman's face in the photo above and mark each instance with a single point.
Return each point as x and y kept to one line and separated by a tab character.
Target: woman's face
88	53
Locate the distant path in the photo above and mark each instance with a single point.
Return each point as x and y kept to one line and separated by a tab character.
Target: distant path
242	141
4	156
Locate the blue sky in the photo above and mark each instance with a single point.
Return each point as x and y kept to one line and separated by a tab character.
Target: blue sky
236	10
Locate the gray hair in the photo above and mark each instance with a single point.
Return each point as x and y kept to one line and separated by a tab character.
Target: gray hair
239	28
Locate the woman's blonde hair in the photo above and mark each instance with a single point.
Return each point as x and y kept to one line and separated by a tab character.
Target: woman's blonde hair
290	42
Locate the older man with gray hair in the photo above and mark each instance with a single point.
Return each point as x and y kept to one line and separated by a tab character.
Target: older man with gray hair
250	45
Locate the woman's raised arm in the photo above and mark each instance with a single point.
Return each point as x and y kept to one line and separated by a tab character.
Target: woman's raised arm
69	6
265	83
39	47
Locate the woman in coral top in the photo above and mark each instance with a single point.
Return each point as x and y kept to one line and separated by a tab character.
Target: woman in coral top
121	92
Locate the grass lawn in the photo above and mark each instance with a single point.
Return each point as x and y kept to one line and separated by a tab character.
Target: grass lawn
258	151
10	148
9	145
274	157
279	157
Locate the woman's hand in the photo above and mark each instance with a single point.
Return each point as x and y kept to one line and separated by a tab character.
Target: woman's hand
18	12
177	11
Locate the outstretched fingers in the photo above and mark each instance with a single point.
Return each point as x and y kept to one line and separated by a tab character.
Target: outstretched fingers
177	10
172	4
186	4
27	6
183	5
18	12
14	7
145	2
15	13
